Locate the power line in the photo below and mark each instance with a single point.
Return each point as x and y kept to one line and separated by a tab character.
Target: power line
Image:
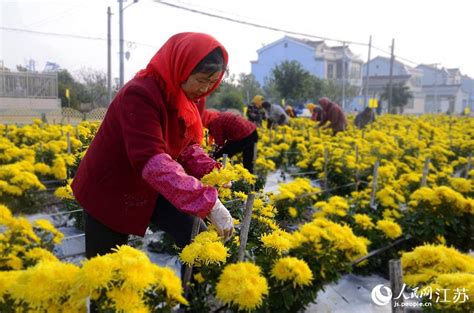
396	56
218	17
69	36
277	29
51	34
59	15
259	25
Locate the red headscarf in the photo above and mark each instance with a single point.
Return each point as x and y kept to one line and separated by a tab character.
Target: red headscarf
173	64
325	102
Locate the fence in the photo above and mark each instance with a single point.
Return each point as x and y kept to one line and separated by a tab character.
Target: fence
28	85
61	116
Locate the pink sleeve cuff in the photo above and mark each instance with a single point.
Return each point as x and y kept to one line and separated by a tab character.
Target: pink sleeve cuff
196	162
185	192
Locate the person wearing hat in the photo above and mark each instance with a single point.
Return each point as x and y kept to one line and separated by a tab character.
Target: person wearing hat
290	111
315	111
255	113
232	134
332	113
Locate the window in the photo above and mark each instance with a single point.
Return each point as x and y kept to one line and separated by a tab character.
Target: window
339	69
285	45
355	70
330	73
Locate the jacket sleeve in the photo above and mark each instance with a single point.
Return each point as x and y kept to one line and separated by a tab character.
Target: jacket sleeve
196	161
185	192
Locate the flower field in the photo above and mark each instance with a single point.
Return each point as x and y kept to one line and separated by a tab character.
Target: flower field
404	181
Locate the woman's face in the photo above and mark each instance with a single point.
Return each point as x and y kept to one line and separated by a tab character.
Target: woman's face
198	84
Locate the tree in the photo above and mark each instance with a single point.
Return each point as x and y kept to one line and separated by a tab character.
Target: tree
232	99
401	95
314	88
291	80
248	86
66	81
227	96
333	91
95	87
270	90
89	87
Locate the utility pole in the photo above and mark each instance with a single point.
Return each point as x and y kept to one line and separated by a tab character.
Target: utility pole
121	66
343	75
121	40
436	107
390	82
109	55
367	70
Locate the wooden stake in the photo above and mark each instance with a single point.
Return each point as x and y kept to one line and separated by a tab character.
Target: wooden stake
326	161
189	269
374	184
396	284
68	139
224	160
357	167
244	231
254	160
426	169
468	165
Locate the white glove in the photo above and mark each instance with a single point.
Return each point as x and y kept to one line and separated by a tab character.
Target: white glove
221	218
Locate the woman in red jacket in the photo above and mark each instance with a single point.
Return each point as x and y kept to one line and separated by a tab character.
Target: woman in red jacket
145	162
332	113
232	134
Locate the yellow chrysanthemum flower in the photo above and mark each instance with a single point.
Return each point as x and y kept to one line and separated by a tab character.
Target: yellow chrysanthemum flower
48	227
279	240
206	248
364	221
390	228
292	269
242	285
292	211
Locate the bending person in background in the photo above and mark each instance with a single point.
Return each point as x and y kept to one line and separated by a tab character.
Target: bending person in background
290	111
332	113
232	134
364	118
275	114
315	111
255	113
144	164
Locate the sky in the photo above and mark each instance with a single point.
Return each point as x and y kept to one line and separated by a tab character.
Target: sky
73	33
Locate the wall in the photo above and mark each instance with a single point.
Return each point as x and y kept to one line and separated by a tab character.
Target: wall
29	104
285	49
